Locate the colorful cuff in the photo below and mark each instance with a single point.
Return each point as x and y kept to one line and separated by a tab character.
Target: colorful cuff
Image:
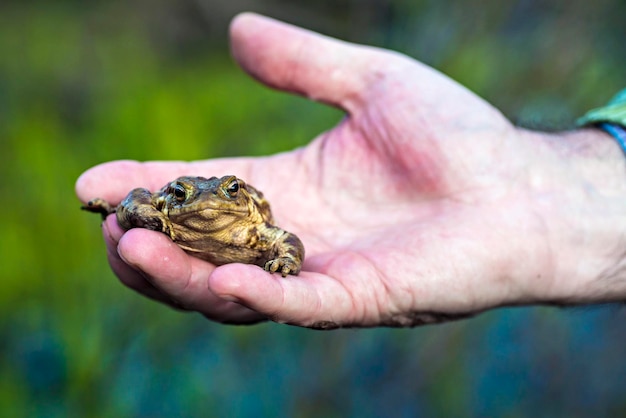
610	118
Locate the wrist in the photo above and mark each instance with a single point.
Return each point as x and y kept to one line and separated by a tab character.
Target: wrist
584	209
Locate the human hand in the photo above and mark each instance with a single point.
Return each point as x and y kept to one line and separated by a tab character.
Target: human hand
423	204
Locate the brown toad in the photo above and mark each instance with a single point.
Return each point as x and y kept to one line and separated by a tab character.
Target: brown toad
220	220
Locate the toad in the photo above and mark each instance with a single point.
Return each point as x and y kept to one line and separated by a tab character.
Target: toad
220	220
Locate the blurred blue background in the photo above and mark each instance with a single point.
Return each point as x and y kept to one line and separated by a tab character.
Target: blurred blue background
86	82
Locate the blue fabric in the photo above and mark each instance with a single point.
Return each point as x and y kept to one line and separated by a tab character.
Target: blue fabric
618	131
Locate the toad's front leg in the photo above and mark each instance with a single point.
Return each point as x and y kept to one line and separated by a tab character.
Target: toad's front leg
287	253
137	210
100	206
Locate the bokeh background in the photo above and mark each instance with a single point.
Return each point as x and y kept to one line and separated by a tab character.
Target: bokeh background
86	82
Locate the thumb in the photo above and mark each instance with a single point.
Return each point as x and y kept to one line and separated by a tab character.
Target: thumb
297	60
346	75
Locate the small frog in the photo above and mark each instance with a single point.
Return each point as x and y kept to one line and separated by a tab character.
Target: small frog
220	220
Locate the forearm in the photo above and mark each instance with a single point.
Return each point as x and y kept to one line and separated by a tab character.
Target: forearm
580	193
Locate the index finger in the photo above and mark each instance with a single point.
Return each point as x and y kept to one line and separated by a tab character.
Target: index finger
113	180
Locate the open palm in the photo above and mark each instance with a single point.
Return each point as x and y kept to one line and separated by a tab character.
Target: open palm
407	213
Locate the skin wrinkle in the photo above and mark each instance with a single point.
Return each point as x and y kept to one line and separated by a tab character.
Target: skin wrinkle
400	291
346	291
338	77
233	311
364	147
353	98
530	186
359	310
384	301
273	314
229	313
549	248
366	281
305	177
318	159
319	307
296	67
329	200
471	294
400	296
426	179
188	287
611	275
305	173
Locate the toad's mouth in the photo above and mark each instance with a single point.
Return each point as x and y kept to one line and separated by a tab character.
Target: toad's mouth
169	206
213	211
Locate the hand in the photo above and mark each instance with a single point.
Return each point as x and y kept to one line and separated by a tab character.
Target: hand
424	204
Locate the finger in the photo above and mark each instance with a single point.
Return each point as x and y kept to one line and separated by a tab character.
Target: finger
346	75
113	180
311	300
183	279
293	59
127	275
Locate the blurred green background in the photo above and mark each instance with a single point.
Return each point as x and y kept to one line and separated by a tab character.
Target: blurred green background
86	82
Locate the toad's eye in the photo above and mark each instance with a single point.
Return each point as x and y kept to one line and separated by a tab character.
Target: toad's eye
179	192
233	188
